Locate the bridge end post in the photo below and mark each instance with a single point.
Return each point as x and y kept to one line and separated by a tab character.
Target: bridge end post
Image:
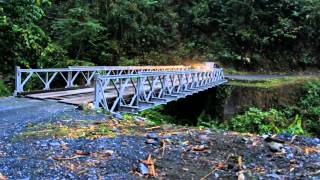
18	86
96	102
69	79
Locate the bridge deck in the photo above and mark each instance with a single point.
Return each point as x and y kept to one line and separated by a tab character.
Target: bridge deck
75	97
81	96
86	95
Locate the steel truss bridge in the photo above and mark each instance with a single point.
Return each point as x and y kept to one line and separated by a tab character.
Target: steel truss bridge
117	88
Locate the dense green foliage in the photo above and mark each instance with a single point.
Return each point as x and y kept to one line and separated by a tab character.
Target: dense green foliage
305	115
255	120
310	106
250	34
22	41
301	118
157	115
271	121
4	91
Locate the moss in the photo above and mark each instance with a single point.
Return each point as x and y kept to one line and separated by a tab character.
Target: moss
273	82
71	131
82	128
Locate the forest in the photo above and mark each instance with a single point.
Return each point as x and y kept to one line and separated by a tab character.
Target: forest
254	35
252	114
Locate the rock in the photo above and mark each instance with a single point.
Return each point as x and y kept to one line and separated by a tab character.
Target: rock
264	136
152	135
244	139
115	129
285	136
216	175
204	137
241	176
270	139
166	136
140	119
312	141
151	141
43	144
143	169
207	131
117	115
54	143
108	152
275	147
273	176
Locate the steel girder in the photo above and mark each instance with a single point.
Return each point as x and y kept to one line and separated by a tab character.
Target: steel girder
136	92
74	76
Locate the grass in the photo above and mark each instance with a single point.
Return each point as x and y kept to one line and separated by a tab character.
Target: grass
230	71
274	82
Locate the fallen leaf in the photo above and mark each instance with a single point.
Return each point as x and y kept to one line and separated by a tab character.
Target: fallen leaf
153	128
71	167
200	148
259	169
107	152
240	162
309	150
163	146
241	175
64	147
67	158
80	152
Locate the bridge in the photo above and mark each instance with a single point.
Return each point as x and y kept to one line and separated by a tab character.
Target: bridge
117	88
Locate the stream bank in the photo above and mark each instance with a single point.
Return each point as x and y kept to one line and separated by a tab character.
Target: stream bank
236	97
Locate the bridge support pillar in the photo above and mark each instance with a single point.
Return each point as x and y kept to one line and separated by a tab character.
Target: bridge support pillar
96	102
18	86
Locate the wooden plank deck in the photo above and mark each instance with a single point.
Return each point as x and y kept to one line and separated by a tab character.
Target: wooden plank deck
85	95
53	95
79	96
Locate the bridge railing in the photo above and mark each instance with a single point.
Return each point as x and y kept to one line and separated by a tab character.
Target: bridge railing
74	76
135	92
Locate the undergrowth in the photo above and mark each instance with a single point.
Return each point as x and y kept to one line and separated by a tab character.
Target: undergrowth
157	115
4	91
301	119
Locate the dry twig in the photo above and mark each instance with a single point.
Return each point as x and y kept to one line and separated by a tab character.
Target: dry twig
293	138
163	146
67	158
241	175
219	166
150	163
153	128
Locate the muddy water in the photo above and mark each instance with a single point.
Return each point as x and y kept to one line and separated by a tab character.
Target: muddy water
224	102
